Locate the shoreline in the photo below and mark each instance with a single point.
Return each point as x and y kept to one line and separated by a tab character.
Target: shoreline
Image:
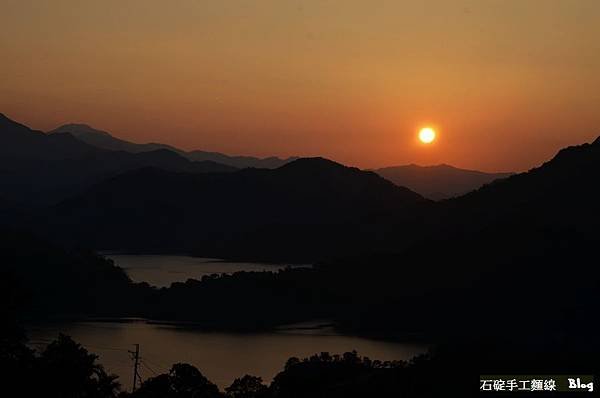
288	328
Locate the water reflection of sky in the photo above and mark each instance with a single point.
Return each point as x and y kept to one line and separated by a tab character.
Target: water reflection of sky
220	356
161	271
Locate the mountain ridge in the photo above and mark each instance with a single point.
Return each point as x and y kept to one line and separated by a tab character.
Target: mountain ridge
299	211
106	140
438	182
40	168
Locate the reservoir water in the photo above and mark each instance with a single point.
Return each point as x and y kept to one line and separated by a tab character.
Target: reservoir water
220	356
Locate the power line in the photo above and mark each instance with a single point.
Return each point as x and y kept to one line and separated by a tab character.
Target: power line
157	364
135	356
106	348
44	341
149	368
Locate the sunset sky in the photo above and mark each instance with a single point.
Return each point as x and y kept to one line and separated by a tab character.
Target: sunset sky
505	83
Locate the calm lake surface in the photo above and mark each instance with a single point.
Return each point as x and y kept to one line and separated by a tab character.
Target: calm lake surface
161	271
220	356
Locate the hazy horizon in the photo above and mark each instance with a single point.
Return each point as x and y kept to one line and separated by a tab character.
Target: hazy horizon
506	83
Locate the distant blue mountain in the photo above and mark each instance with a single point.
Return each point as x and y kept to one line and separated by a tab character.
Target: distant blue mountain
438	182
36	167
105	140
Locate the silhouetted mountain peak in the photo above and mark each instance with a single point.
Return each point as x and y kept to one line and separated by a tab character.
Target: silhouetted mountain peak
440	181
312	200
445	166
597	141
165	152
416	167
104	140
165	155
43	168
323	169
312	163
78	129
9	125
67	138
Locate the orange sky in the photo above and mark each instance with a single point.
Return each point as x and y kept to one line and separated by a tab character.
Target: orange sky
507	83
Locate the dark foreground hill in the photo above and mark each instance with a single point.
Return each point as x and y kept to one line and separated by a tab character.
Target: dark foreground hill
105	140
438	182
39	168
506	277
520	246
307	207
510	265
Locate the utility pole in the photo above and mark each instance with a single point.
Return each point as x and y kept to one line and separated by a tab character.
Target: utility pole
136	364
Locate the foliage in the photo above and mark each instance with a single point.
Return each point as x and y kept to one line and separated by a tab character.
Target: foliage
247	387
63	369
182	381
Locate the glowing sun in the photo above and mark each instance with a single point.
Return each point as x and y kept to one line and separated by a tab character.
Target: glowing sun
427	135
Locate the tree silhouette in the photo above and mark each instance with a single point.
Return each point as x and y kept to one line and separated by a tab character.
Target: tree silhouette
183	381
68	370
247	387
